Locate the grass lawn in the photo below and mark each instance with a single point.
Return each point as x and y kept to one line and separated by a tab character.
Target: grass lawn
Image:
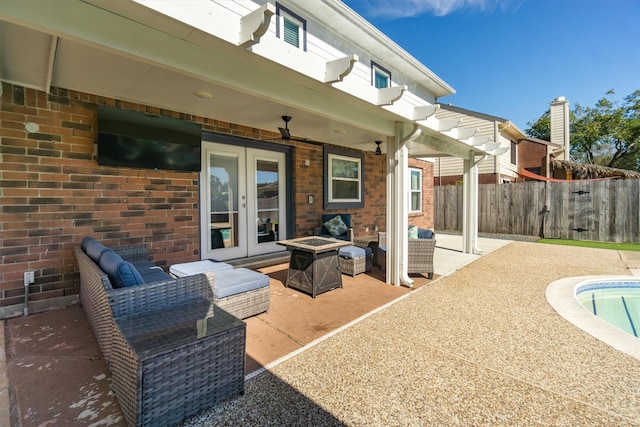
586	244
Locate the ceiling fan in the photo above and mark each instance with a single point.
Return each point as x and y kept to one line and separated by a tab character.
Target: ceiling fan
285	134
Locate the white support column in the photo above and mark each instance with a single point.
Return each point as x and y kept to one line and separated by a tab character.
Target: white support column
470	205
467	204
392	275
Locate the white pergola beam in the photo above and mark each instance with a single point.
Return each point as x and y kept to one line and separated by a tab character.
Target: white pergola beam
255	25
336	70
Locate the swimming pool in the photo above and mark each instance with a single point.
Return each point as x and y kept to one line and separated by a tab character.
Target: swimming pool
565	296
615	302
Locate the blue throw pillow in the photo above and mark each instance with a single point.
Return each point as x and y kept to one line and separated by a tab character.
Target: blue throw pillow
335	226
95	250
85	242
121	273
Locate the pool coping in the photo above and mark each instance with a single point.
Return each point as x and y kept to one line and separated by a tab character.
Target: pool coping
561	295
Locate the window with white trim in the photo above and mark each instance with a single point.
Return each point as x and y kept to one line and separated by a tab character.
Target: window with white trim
291	28
415	176
344	178
380	76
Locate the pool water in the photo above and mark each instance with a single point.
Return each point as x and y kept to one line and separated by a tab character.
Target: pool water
616	302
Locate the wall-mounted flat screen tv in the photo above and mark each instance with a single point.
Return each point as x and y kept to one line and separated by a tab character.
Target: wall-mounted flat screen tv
138	140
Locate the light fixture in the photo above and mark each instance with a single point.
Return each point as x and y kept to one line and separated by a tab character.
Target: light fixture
32	127
284	132
203	94
378	149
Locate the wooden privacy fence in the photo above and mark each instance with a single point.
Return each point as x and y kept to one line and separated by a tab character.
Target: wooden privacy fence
607	211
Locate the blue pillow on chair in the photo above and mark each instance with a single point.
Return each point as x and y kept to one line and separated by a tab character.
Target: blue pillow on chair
95	250
425	233
85	242
121	273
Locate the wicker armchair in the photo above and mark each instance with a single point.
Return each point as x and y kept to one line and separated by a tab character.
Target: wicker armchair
420	256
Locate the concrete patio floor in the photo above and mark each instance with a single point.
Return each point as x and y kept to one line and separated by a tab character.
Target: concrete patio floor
57	376
479	346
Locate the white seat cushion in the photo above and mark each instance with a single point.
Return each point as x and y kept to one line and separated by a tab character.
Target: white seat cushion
197	267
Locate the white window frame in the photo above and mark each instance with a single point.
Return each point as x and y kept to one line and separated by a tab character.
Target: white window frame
413	191
377	69
336	153
282	14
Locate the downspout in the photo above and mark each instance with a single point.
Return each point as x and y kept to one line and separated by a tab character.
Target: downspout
404	200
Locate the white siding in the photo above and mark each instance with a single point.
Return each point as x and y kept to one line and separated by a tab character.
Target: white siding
221	18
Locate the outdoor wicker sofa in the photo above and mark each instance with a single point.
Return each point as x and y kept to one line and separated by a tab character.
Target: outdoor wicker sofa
171	351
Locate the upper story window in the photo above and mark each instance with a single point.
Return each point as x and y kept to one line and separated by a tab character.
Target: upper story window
380	77
416	190
514	153
291	28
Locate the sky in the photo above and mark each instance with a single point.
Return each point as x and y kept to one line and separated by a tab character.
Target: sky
512	58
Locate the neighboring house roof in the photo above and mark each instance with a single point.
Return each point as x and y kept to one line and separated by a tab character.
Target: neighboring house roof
587	171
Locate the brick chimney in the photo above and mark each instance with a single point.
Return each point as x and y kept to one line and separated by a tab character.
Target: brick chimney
559	112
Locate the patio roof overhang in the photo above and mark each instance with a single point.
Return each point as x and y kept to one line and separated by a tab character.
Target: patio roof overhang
124	50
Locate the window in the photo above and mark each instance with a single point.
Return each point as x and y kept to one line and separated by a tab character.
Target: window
380	77
343	178
514	153
416	190
291	28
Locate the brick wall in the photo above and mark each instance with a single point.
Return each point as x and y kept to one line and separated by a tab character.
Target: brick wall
53	192
309	181
532	155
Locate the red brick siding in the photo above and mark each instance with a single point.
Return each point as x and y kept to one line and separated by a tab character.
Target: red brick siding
532	155
309	181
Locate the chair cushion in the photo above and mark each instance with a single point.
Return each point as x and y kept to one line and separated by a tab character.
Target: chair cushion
336	226
197	267
425	233
353	252
121	273
413	232
150	272
95	250
236	281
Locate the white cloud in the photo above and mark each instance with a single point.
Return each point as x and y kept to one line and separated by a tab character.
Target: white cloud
409	8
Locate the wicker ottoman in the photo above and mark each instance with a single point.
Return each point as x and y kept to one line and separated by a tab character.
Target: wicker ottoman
240	291
355	260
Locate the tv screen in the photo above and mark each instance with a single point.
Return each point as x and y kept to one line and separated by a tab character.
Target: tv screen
138	140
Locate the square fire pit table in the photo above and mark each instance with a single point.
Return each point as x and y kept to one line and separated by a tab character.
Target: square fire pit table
314	265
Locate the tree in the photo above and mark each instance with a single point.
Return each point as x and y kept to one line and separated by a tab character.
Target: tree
606	135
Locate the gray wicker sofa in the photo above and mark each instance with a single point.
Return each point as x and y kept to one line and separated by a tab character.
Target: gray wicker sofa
166	364
102	301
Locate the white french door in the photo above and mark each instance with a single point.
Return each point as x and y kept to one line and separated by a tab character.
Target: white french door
242	201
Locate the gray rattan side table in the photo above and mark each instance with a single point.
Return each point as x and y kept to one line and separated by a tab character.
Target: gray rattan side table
169	364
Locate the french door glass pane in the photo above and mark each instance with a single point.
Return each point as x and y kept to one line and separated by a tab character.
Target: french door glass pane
267	195
223	176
